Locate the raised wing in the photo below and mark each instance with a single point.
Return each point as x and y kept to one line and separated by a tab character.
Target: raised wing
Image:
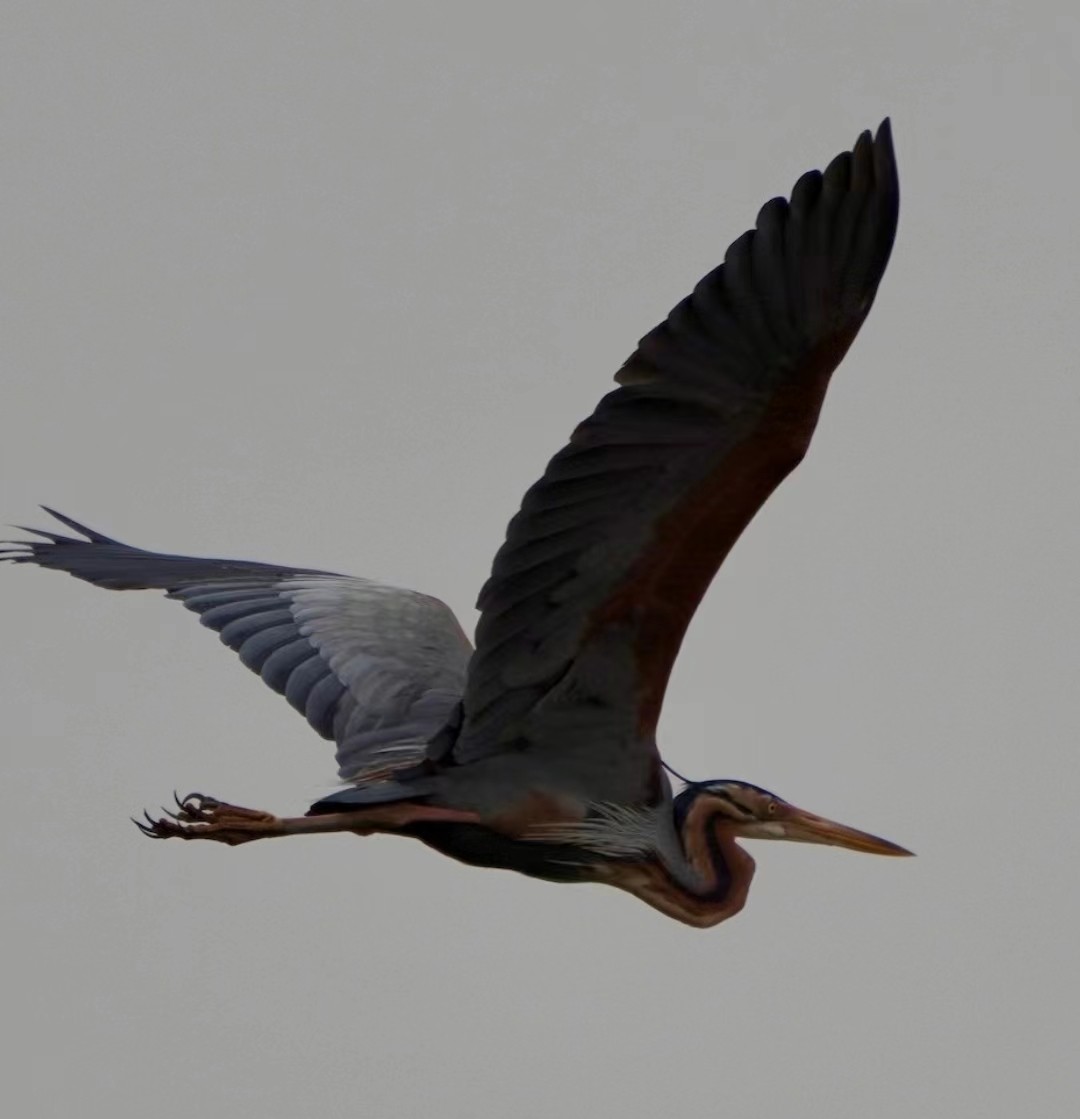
376	669
613	548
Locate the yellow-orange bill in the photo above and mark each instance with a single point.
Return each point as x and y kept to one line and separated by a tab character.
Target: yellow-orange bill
807	828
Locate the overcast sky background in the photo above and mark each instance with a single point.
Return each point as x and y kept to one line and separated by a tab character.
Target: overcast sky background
327	284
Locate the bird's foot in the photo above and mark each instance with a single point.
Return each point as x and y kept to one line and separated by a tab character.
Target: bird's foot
202	817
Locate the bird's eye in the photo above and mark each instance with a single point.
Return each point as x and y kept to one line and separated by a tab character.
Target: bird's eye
771	810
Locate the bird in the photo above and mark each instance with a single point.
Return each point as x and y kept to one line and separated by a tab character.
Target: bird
535	749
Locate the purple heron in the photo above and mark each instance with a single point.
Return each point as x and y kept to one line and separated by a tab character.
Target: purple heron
536	750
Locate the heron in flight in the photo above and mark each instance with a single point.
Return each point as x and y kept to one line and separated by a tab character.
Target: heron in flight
536	750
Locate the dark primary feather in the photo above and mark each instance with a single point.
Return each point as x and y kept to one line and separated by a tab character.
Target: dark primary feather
614	547
108	563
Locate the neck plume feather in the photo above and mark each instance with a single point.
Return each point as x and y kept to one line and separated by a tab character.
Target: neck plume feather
723	868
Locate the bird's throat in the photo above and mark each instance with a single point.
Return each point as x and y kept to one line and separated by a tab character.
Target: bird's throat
722	869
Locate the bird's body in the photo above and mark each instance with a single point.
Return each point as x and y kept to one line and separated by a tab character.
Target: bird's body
536	751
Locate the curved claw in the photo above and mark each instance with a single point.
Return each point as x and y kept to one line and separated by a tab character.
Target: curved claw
150	828
196	804
198	816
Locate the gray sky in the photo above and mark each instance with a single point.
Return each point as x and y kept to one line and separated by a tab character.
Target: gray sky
326	284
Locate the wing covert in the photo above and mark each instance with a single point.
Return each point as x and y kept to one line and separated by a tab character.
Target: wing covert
613	548
376	669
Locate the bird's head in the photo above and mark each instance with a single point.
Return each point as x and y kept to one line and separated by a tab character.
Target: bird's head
754	813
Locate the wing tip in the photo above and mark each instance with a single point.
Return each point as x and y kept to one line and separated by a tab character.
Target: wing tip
92	535
89	535
886	173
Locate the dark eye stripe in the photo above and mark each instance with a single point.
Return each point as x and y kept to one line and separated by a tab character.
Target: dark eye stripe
726	797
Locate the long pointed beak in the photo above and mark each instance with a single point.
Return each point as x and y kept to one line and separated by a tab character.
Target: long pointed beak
805	827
